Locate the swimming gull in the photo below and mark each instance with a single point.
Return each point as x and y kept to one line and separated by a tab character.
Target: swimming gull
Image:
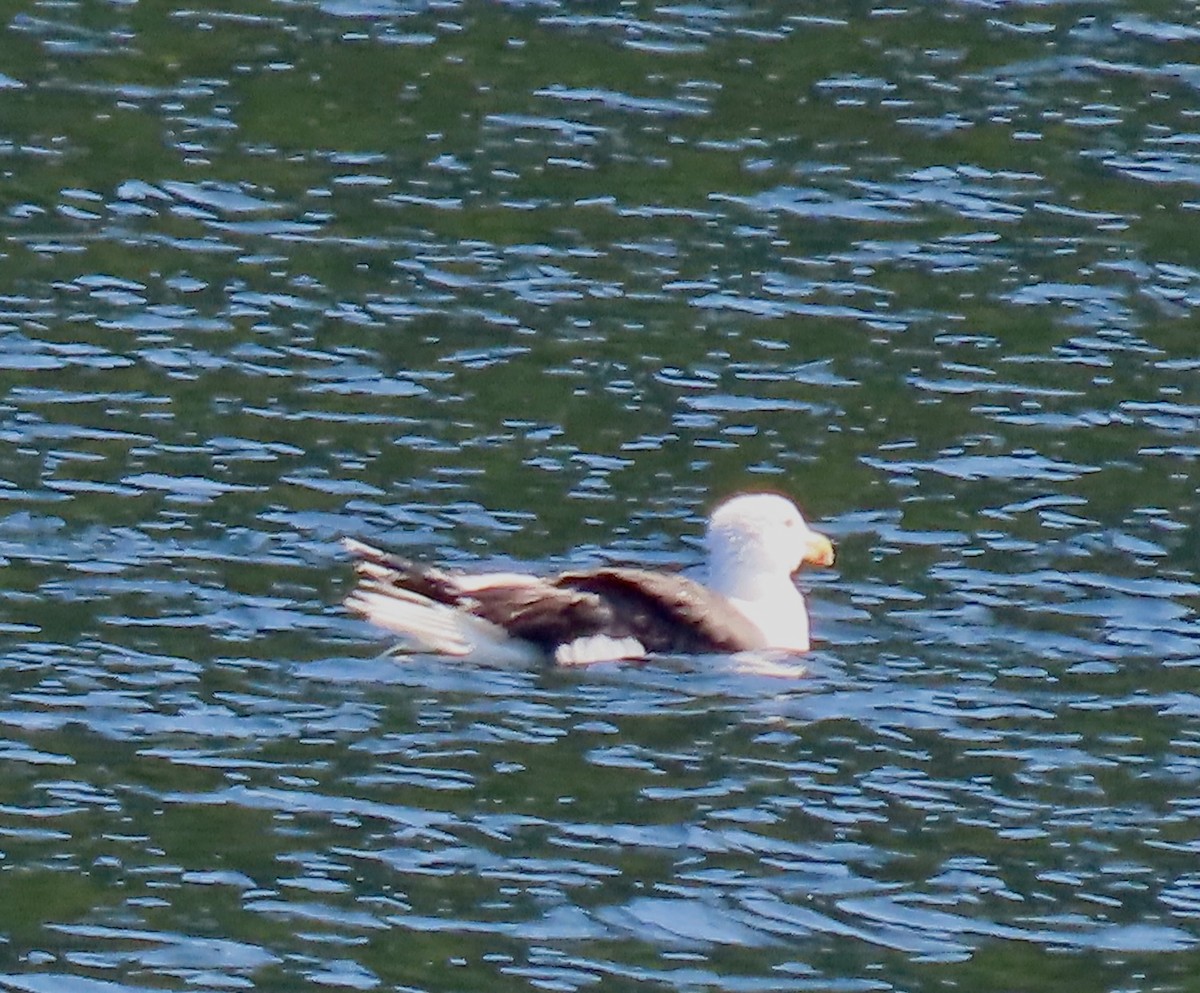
747	599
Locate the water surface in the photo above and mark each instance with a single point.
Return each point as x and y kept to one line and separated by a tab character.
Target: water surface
539	282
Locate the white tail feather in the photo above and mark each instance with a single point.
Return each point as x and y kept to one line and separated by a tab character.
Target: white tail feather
432	626
429	626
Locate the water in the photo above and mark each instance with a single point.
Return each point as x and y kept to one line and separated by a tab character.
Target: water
539	282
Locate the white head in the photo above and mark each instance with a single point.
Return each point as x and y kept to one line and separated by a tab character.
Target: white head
759	538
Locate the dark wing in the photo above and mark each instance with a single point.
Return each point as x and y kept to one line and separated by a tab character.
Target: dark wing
385	571
544	612
538	610
664	611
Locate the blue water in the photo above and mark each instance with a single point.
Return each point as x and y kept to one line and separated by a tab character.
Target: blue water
511	283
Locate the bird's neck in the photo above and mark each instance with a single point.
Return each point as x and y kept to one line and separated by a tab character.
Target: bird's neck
769	601
738	578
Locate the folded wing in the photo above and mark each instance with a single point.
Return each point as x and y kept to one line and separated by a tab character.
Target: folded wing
584	616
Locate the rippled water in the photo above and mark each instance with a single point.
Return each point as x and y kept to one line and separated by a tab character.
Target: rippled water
539	282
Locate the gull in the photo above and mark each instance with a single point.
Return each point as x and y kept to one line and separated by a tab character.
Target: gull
746	599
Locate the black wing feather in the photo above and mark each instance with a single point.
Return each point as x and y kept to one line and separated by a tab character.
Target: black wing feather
664	611
385	570
667	612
